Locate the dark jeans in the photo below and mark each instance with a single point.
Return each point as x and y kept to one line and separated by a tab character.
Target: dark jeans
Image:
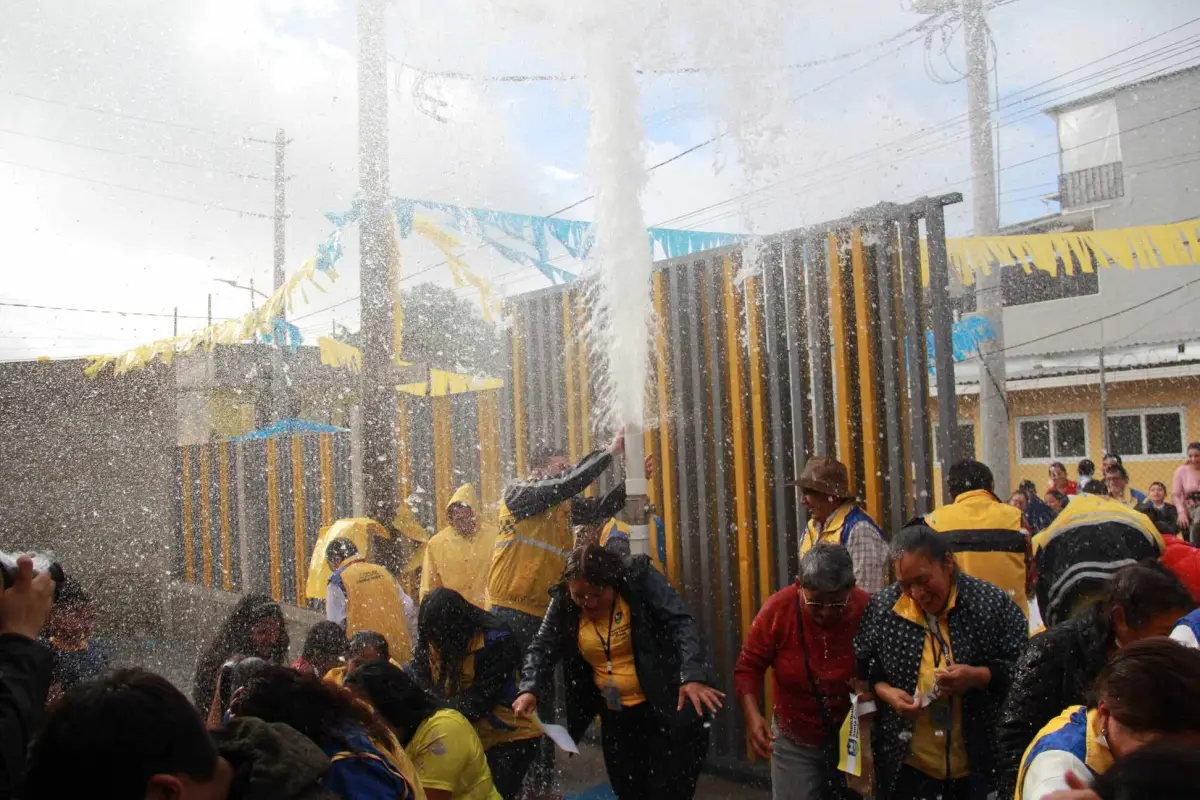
525	626
509	762
912	784
646	758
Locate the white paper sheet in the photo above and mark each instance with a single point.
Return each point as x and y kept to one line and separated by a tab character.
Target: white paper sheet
558	734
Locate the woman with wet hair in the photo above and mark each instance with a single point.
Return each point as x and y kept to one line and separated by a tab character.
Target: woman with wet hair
1059	666
366	761
631	654
255	627
470	662
444	748
1148	692
938	649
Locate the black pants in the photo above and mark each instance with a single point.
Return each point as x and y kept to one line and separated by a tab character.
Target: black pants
646	758
912	784
509	762
525	627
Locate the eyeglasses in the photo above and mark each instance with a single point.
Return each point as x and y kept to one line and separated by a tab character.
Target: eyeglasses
824	606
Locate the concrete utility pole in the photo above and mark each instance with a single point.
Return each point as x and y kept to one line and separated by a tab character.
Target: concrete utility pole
993	402
281	144
377	393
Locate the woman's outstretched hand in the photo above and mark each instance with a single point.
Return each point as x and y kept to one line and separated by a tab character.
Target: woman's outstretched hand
525	705
701	695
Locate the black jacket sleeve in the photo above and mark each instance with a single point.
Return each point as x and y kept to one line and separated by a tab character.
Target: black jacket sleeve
527	499
547	648
1034	698
865	643
671	615
495	666
612	503
1008	641
25	674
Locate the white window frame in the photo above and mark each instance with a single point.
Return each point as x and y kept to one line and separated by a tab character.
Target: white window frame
1051	418
1142	412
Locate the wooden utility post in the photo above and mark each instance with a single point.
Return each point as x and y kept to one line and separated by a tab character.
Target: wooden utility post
377	392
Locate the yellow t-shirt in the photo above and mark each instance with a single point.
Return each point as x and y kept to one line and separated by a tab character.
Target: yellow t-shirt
927	750
456	562
447	755
616	630
502	725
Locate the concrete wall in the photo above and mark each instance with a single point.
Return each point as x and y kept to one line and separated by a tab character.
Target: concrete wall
1161	165
87	469
1179	393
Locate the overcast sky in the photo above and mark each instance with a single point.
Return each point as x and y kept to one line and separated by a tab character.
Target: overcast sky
124	127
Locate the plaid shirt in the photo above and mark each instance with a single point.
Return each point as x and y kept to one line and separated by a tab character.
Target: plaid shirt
869	552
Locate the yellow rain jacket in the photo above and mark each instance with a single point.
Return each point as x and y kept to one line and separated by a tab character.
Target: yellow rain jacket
987	540
358	530
535	536
460	562
373	604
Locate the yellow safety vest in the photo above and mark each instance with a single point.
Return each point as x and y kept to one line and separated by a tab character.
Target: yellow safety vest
987	540
373	604
528	559
1076	731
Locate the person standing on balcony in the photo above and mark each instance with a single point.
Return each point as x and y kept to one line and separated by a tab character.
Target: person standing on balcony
460	555
835	518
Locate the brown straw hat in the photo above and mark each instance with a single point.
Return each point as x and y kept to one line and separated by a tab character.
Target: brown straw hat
825	475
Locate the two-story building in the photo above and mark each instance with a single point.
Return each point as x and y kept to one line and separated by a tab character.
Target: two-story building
1128	157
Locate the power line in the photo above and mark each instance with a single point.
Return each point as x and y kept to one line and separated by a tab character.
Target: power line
11	304
176	198
154	159
123	115
560	77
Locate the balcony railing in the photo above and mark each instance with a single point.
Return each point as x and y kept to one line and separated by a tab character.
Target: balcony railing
1085	187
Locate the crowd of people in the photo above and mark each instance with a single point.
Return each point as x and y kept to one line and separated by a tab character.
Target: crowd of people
1044	647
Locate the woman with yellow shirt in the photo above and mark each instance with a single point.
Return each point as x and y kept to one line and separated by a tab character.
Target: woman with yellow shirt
444	748
938	647
630	653
470	661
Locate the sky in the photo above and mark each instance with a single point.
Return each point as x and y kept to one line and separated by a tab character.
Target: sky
128	162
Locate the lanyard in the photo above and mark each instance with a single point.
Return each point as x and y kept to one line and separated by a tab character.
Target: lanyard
607	643
937	643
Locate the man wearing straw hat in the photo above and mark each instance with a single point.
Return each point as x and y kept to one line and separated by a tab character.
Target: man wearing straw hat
835	518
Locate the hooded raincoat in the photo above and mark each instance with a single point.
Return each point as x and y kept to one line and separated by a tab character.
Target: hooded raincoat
460	562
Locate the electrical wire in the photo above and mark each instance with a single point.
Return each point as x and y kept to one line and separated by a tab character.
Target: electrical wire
154	159
176	198
13	304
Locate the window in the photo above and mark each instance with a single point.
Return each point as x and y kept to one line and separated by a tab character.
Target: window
1089	136
1051	438
964	440
1151	432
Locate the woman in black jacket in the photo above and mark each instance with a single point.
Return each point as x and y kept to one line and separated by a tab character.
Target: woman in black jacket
255	627
1059	666
470	661
938	648
631	653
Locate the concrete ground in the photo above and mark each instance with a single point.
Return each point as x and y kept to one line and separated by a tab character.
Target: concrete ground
583	778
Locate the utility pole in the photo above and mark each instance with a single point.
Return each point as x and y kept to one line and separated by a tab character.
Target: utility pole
377	387
281	144
993	403
1103	403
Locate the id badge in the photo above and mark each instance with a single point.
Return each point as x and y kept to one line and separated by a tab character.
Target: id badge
940	715
612	697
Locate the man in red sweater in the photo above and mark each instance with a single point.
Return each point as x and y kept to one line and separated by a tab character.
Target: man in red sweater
805	634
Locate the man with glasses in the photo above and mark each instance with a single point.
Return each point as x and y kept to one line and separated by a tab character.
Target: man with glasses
804	630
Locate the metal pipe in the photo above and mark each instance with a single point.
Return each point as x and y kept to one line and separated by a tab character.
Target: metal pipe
637	489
